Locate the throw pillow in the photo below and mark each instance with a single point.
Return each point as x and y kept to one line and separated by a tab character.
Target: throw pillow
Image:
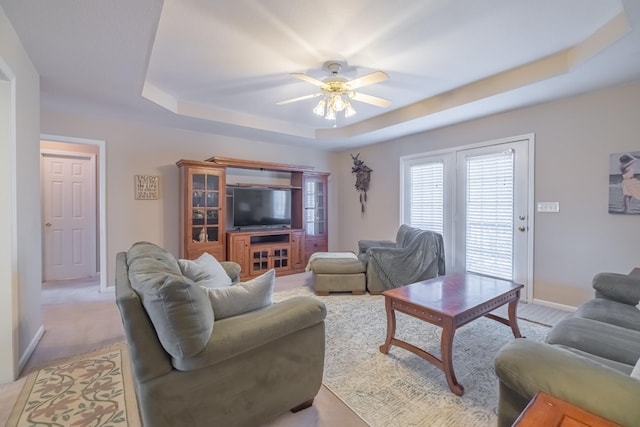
205	271
242	297
636	371
179	309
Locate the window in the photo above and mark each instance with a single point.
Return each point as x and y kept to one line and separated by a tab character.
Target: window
426	196
489	214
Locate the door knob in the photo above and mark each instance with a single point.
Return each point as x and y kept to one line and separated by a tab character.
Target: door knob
522	228
48	224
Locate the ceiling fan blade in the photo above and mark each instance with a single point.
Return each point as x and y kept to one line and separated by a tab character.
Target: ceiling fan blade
369	79
300	98
370	99
308	79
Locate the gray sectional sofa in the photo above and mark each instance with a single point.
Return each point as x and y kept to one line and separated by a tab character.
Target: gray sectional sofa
188	370
589	359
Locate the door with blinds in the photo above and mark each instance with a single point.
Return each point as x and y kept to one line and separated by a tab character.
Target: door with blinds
492	211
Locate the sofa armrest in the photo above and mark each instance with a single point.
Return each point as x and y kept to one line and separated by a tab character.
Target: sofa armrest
526	367
235	335
364	245
617	287
232	269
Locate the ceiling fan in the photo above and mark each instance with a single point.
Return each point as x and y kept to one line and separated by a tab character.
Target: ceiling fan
336	92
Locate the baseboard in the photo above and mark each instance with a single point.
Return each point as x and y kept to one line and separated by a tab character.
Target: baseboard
30	348
555	305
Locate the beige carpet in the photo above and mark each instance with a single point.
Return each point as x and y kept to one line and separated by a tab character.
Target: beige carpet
93	389
401	389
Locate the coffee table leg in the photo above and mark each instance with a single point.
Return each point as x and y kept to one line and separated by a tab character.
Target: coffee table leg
513	318
391	325
446	350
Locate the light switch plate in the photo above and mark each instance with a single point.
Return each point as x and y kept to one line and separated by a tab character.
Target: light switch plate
548	207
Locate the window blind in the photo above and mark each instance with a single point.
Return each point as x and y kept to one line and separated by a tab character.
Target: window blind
489	214
426	207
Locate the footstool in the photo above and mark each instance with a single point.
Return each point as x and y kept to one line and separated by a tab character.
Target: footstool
337	272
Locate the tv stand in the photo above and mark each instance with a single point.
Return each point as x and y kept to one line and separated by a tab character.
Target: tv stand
203	214
258	251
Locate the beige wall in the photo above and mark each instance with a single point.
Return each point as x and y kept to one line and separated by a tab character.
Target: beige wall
574	138
20	248
137	149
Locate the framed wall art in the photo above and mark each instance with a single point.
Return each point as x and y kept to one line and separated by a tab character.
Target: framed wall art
146	187
624	183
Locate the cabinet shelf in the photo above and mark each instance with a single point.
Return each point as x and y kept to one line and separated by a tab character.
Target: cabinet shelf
257	252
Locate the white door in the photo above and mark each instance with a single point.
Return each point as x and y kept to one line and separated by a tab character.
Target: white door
69	216
492	211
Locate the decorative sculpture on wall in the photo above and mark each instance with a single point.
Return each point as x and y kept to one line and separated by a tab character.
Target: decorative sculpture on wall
363	178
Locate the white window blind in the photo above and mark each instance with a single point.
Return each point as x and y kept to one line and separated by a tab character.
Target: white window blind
489	214
426	208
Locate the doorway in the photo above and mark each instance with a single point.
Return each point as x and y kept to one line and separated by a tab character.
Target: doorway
480	197
73	209
69	214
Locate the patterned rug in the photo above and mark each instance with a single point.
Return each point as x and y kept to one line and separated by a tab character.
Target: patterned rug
87	390
401	389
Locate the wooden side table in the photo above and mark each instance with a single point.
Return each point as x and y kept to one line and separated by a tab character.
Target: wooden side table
546	410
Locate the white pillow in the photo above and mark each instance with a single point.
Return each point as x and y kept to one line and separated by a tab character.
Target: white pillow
242	297
636	370
205	271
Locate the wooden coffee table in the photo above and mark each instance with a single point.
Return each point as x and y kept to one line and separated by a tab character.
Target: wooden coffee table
449	301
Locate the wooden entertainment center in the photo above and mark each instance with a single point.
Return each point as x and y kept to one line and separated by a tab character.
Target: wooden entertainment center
204	223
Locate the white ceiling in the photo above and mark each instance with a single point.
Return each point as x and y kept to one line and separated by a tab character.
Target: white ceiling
220	66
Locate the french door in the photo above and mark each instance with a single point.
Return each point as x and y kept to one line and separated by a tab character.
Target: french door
480	198
492	211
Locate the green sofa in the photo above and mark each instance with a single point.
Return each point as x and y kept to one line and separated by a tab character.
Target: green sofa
589	359
191	371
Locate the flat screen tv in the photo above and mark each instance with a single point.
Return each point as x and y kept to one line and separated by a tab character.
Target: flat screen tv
260	207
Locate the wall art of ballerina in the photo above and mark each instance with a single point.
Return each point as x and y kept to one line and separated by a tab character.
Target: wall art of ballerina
624	183
363	178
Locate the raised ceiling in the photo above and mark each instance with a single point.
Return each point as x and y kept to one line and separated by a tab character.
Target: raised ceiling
220	66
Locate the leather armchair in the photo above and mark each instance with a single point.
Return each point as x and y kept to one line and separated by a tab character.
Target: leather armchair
415	255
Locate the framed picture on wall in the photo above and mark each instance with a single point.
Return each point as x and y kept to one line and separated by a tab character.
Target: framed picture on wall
146	187
624	183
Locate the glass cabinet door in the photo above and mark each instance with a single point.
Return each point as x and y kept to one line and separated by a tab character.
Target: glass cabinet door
205	207
314	207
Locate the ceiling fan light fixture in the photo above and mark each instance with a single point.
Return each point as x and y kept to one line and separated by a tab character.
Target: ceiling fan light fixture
331	114
320	108
337	102
336	92
349	111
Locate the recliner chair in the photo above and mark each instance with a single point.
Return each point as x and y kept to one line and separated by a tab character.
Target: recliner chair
415	255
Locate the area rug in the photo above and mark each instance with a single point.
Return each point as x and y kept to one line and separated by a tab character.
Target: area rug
400	388
88	390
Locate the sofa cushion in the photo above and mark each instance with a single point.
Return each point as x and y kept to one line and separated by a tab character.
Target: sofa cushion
178	308
205	271
608	311
243	333
242	297
337	265
597	338
618	366
617	287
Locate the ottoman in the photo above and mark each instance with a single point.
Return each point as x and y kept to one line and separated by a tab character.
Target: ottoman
337	272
